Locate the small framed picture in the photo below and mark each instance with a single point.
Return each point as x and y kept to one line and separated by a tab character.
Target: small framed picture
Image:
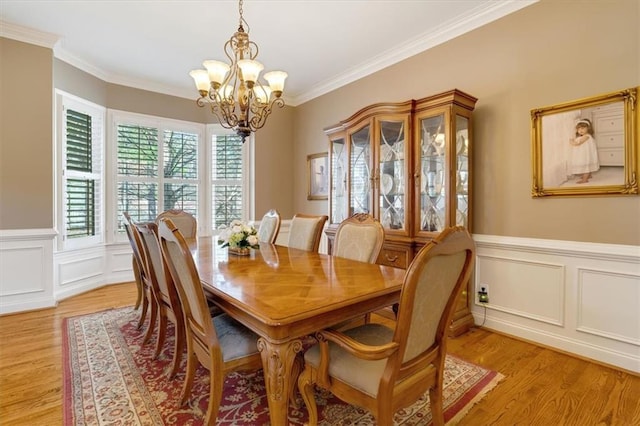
317	177
586	147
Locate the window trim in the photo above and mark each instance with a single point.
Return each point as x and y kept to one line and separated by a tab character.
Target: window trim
64	100
248	184
118	117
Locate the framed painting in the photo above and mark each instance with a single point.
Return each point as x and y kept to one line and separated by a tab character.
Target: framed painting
317	177
586	147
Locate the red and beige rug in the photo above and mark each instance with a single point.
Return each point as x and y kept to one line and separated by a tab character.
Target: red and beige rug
111	378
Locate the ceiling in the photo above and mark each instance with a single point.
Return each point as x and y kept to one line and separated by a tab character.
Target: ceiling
323	45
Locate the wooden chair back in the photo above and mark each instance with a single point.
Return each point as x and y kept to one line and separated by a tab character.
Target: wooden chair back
166	294
187	282
359	237
306	231
142	298
269	227
185	221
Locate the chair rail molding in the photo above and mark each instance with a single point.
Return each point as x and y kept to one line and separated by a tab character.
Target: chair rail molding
582	298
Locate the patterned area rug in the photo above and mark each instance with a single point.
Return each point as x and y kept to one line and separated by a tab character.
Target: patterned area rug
111	378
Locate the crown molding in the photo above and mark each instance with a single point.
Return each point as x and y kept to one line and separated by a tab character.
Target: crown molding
475	18
28	35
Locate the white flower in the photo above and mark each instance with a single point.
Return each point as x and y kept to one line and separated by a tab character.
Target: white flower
253	240
238	235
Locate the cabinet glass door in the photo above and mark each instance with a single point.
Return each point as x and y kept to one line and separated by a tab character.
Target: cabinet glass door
433	145
392	174
462	170
360	168
339	167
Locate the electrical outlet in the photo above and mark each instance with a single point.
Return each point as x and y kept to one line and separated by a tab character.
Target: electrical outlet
483	293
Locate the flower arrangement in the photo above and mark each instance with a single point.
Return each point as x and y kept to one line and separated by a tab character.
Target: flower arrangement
239	236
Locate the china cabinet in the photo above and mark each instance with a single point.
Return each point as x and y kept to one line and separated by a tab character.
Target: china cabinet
409	165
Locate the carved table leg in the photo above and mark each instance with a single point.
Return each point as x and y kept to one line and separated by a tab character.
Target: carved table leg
278	366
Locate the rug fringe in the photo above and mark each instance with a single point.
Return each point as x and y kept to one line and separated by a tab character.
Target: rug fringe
479	396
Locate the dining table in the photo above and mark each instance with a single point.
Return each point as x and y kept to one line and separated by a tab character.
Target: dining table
285	295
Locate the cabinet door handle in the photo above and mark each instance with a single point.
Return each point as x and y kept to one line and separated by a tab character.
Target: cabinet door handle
391	259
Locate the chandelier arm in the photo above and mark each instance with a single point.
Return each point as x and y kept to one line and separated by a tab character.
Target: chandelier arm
233	100
261	112
220	118
253	46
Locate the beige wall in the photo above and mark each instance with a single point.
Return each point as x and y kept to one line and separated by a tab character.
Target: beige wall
26	129
547	53
79	83
273	172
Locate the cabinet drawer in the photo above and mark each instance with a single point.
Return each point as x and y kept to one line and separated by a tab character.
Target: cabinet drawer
611	156
394	257
610	140
612	123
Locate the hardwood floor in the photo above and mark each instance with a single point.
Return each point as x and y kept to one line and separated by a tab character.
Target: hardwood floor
541	386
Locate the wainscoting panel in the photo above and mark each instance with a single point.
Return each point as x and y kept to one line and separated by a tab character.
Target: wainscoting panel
78	271
582	298
532	290
26	269
119	257
611	311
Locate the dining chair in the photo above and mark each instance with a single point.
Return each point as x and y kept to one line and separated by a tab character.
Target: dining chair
165	293
383	369
220	344
269	227
185	221
144	296
359	237
305	231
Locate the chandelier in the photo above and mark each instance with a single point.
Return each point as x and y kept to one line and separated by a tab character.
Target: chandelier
233	91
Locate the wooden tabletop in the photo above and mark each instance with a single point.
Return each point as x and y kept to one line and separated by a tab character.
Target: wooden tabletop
279	285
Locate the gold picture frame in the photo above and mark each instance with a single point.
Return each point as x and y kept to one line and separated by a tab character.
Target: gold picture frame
317	176
566	161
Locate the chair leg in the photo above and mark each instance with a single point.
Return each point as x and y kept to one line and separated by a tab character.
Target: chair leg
215	394
189	374
162	332
145	307
136	275
305	386
178	348
435	400
152	319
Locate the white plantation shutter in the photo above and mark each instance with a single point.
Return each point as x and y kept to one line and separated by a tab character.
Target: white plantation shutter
157	166
227	179
82	183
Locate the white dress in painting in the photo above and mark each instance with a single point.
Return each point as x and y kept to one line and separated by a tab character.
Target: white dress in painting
584	157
